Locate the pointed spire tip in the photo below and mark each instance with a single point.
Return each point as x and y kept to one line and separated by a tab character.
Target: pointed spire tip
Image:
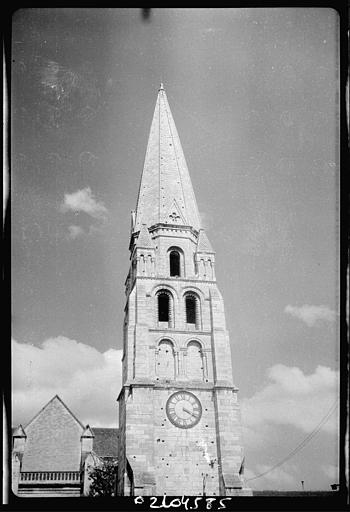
165	177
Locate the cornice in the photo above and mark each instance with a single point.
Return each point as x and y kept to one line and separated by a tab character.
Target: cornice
180	384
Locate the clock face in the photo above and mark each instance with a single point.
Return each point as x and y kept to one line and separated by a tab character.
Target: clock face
184	409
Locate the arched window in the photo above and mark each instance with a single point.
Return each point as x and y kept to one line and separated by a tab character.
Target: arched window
165	307
174	263
165	362
194	361
192	307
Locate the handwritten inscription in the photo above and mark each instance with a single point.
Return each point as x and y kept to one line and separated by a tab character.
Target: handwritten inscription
187	503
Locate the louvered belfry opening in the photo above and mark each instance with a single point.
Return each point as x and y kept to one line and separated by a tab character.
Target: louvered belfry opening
174	264
163	307
190	309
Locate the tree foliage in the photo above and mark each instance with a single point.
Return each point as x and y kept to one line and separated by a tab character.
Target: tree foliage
103	479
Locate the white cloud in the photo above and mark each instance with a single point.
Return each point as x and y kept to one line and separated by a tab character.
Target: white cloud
265	233
292	398
311	314
331	471
75	232
281	478
87	380
84	201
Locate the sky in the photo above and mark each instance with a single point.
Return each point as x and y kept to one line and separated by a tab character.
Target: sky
253	93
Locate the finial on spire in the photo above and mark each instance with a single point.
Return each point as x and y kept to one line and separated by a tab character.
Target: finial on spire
161	87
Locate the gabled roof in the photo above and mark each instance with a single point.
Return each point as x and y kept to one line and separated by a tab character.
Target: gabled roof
62	404
165	177
203	244
18	432
106	441
87	432
175	215
232	480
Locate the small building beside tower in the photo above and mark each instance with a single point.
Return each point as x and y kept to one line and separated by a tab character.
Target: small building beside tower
53	454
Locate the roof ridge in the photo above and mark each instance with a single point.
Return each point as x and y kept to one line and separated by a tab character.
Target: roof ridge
105	428
47	404
19	431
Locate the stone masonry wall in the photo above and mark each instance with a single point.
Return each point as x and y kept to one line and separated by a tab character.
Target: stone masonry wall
163	357
53	441
178	458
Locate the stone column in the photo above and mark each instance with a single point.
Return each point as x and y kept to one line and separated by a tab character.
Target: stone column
213	270
16	471
171	310
156	352
127	484
205	364
201	269
149	265
181	363
198	313
196	265
19	440
177	363
184	358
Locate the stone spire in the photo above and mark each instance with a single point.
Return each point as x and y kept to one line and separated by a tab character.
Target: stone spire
203	244
166	194
144	239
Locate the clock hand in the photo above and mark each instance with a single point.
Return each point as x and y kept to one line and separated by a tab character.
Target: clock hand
189	412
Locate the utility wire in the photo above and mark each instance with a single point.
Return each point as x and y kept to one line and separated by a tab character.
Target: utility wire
301	445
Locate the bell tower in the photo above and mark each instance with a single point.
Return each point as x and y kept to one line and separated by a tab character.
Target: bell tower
179	419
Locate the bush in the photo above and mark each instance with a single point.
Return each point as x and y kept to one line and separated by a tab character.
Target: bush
103	479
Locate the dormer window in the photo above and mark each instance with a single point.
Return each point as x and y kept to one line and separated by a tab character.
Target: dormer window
174	264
